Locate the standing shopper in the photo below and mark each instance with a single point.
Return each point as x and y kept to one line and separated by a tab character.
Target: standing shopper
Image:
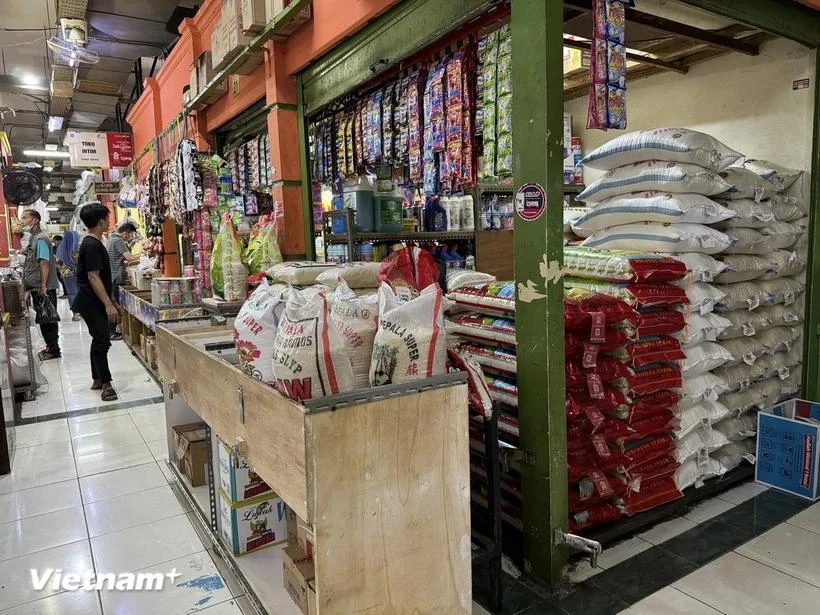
67	253
40	274
93	300
119	255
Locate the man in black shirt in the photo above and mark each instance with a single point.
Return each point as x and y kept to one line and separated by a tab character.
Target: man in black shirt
93	300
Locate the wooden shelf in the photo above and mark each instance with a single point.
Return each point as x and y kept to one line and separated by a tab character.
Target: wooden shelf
411	236
510	188
278	29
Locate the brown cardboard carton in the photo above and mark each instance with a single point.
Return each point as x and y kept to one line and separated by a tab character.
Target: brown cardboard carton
297	571
273	8
253	16
304	538
292	521
311	601
191	445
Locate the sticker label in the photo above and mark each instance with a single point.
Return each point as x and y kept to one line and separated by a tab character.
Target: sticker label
601	447
530	202
590	358
595	386
598	333
595	416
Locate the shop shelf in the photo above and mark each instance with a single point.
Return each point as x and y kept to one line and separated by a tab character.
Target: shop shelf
411	236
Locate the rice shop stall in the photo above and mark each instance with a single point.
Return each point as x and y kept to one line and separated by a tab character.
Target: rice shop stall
605	429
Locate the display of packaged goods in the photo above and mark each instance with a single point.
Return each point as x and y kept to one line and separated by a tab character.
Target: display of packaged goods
237	480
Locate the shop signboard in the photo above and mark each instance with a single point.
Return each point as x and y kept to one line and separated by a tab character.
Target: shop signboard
104	150
106	187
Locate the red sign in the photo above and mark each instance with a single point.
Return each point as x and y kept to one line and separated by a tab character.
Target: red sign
120	149
530	202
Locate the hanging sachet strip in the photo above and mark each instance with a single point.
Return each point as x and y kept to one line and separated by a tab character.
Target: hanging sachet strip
607	88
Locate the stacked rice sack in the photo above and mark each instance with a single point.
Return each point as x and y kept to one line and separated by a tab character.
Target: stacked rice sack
736	234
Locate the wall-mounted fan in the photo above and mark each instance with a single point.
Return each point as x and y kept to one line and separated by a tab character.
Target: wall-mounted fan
22	187
71	53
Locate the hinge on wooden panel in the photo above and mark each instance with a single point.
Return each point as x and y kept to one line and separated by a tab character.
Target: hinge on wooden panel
173	389
240	393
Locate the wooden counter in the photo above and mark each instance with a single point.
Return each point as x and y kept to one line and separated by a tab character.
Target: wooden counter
384	480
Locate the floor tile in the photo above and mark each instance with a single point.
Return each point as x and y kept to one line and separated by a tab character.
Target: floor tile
46	531
586	599
39	465
517	597
146	545
230	608
130	510
477	610
581	571
16	589
153	416
153	432
42	433
808	519
39	500
107	424
94	416
670	601
741	493
198	587
666	530
106	461
789	549
764	511
67	603
121	482
622	551
159	449
708	541
99	442
737	584
708	509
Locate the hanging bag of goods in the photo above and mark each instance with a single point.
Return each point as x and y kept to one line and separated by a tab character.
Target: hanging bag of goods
310	358
254	331
607	89
409	270
228	274
411	343
357	319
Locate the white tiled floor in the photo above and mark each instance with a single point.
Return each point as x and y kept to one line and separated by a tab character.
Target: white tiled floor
87	493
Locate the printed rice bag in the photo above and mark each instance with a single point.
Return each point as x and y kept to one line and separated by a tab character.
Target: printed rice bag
254	330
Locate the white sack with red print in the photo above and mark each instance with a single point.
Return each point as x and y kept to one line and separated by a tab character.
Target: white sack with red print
357	319
254	330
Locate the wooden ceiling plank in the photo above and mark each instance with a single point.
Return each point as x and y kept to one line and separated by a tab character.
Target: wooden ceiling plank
635	57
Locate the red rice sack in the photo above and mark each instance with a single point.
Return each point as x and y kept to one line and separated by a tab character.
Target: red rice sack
643	295
490	298
409	270
621	265
310	359
254	331
661	349
479	396
411	343
486	329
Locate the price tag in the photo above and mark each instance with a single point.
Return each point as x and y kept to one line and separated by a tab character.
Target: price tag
602	485
749	358
703	457
792	258
710	395
598	333
707	306
783	373
699	482
595	416
601	447
744	384
707	276
789	297
748	329
595	386
590	358
753	302
710	334
759	194
750	458
791	317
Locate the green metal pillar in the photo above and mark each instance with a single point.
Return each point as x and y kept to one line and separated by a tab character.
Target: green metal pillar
538	106
811	346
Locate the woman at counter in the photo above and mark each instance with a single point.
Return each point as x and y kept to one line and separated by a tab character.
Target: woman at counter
67	253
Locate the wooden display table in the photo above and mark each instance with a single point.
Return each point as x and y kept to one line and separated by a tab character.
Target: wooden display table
382	475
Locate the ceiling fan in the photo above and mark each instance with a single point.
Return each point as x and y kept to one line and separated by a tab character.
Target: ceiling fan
72	54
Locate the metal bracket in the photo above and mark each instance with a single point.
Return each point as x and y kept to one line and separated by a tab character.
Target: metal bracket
173	389
240	393
579	543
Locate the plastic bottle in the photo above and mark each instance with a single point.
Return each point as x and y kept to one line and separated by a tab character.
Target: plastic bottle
470	262
454	213
467	213
435	216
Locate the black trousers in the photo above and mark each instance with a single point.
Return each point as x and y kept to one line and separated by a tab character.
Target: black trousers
98	327
51	331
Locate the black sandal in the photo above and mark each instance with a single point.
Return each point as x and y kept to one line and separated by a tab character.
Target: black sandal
96	386
108	393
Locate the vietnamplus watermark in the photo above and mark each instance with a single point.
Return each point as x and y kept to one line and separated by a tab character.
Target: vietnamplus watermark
55	579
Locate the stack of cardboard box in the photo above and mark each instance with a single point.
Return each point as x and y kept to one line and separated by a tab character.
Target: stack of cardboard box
252	515
297	563
191	442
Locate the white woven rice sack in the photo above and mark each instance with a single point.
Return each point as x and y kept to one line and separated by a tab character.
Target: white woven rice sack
704	386
739	402
740	296
702	298
748	241
769	392
786	209
699	442
357	319
749	214
355	275
738	428
655	237
459	278
742	268
704	358
411	342
782	235
310	359
781	177
699	414
799	193
744	323
782	290
745	184
571	214
298	273
741	376
776	339
650	207
673	144
745	349
787	315
792	385
694	472
702	267
701	328
733	454
655	176
254	330
783	263
781	364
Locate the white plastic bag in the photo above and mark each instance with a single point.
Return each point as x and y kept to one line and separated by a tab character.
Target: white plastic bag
742	268
701	328
357	319
749	214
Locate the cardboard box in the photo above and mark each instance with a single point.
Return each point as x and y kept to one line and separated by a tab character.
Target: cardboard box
313	607
253	524
191	444
218	91
576	59
273	8
787	457
237	479
292	522
194	82
253	16
304	538
205	66
297	571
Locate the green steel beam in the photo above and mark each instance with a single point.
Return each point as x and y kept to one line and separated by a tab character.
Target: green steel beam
784	18
811	347
402	31
304	172
538	106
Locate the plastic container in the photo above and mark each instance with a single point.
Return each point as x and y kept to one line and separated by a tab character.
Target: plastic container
435	215
467	213
389	213
453	213
339	223
358	196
